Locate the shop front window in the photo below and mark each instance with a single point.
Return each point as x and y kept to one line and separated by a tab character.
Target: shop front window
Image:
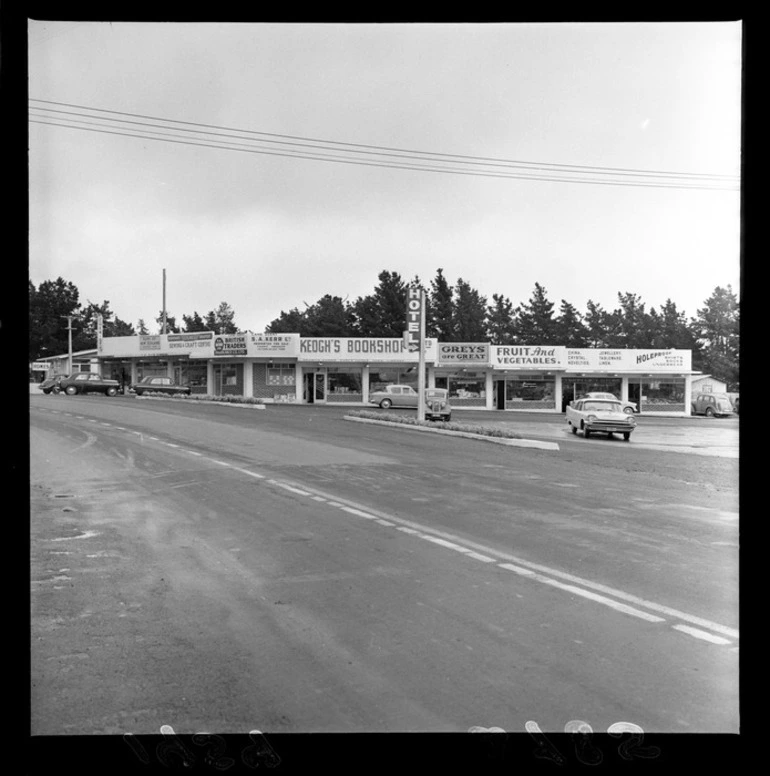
665	395
281	374
194	375
344	384
530	393
467	391
226	379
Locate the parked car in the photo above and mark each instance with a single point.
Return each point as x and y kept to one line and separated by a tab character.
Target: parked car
712	405
394	396
154	384
88	382
600	416
629	407
437	405
51	384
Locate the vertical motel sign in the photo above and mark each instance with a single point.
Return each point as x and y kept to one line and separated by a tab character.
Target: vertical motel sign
414	338
412	335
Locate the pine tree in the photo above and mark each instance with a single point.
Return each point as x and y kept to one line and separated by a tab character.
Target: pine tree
536	325
440	322
571	331
596	323
382	313
501	321
194	322
330	316
470	313
48	304
717	328
292	322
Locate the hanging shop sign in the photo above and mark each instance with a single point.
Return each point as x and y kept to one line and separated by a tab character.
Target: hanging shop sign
626	360
528	357
365	349
286	345
465	353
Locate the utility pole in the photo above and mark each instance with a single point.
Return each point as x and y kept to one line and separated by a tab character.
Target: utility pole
69	330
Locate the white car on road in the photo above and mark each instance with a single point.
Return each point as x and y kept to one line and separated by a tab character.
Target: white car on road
600	416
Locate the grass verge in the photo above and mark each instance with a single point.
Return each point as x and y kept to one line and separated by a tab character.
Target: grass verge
405	420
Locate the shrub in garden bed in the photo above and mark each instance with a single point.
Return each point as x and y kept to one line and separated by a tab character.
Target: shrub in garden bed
406	420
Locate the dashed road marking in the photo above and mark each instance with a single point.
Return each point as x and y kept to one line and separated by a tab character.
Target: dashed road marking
526	569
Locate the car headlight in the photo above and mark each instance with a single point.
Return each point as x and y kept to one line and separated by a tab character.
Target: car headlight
591	418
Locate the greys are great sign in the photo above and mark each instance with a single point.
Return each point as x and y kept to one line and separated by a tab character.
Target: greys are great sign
463	354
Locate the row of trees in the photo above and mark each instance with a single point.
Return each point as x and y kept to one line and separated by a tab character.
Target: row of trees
455	313
459	313
54	301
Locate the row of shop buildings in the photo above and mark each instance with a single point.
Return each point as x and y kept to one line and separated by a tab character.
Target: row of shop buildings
346	370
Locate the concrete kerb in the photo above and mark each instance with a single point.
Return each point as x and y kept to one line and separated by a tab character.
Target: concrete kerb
468	435
203	401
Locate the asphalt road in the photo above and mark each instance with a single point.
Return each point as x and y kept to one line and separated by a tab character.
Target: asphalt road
222	569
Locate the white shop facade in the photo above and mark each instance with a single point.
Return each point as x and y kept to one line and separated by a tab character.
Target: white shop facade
345	370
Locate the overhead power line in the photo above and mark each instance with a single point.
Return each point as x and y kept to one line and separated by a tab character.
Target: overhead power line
160	129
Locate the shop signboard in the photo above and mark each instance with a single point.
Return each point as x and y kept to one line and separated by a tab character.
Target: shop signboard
227	345
189	343
463	354
149	342
528	357
192	343
366	349
279	345
627	360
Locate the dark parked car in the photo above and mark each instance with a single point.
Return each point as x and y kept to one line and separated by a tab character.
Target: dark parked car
51	384
712	405
153	384
88	382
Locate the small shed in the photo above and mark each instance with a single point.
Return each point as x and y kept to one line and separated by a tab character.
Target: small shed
708	384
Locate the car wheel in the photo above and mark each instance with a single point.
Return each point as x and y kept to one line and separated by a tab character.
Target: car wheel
70	390
112	391
586	433
386	404
46	391
628	410
626	436
709	412
448	418
55	390
574	429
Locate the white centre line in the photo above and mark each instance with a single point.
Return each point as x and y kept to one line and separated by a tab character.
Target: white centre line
700	634
525	569
246	471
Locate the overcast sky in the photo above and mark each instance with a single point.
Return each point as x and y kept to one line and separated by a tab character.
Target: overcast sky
571	115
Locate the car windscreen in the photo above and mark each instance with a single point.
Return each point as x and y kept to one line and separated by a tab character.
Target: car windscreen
602	406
